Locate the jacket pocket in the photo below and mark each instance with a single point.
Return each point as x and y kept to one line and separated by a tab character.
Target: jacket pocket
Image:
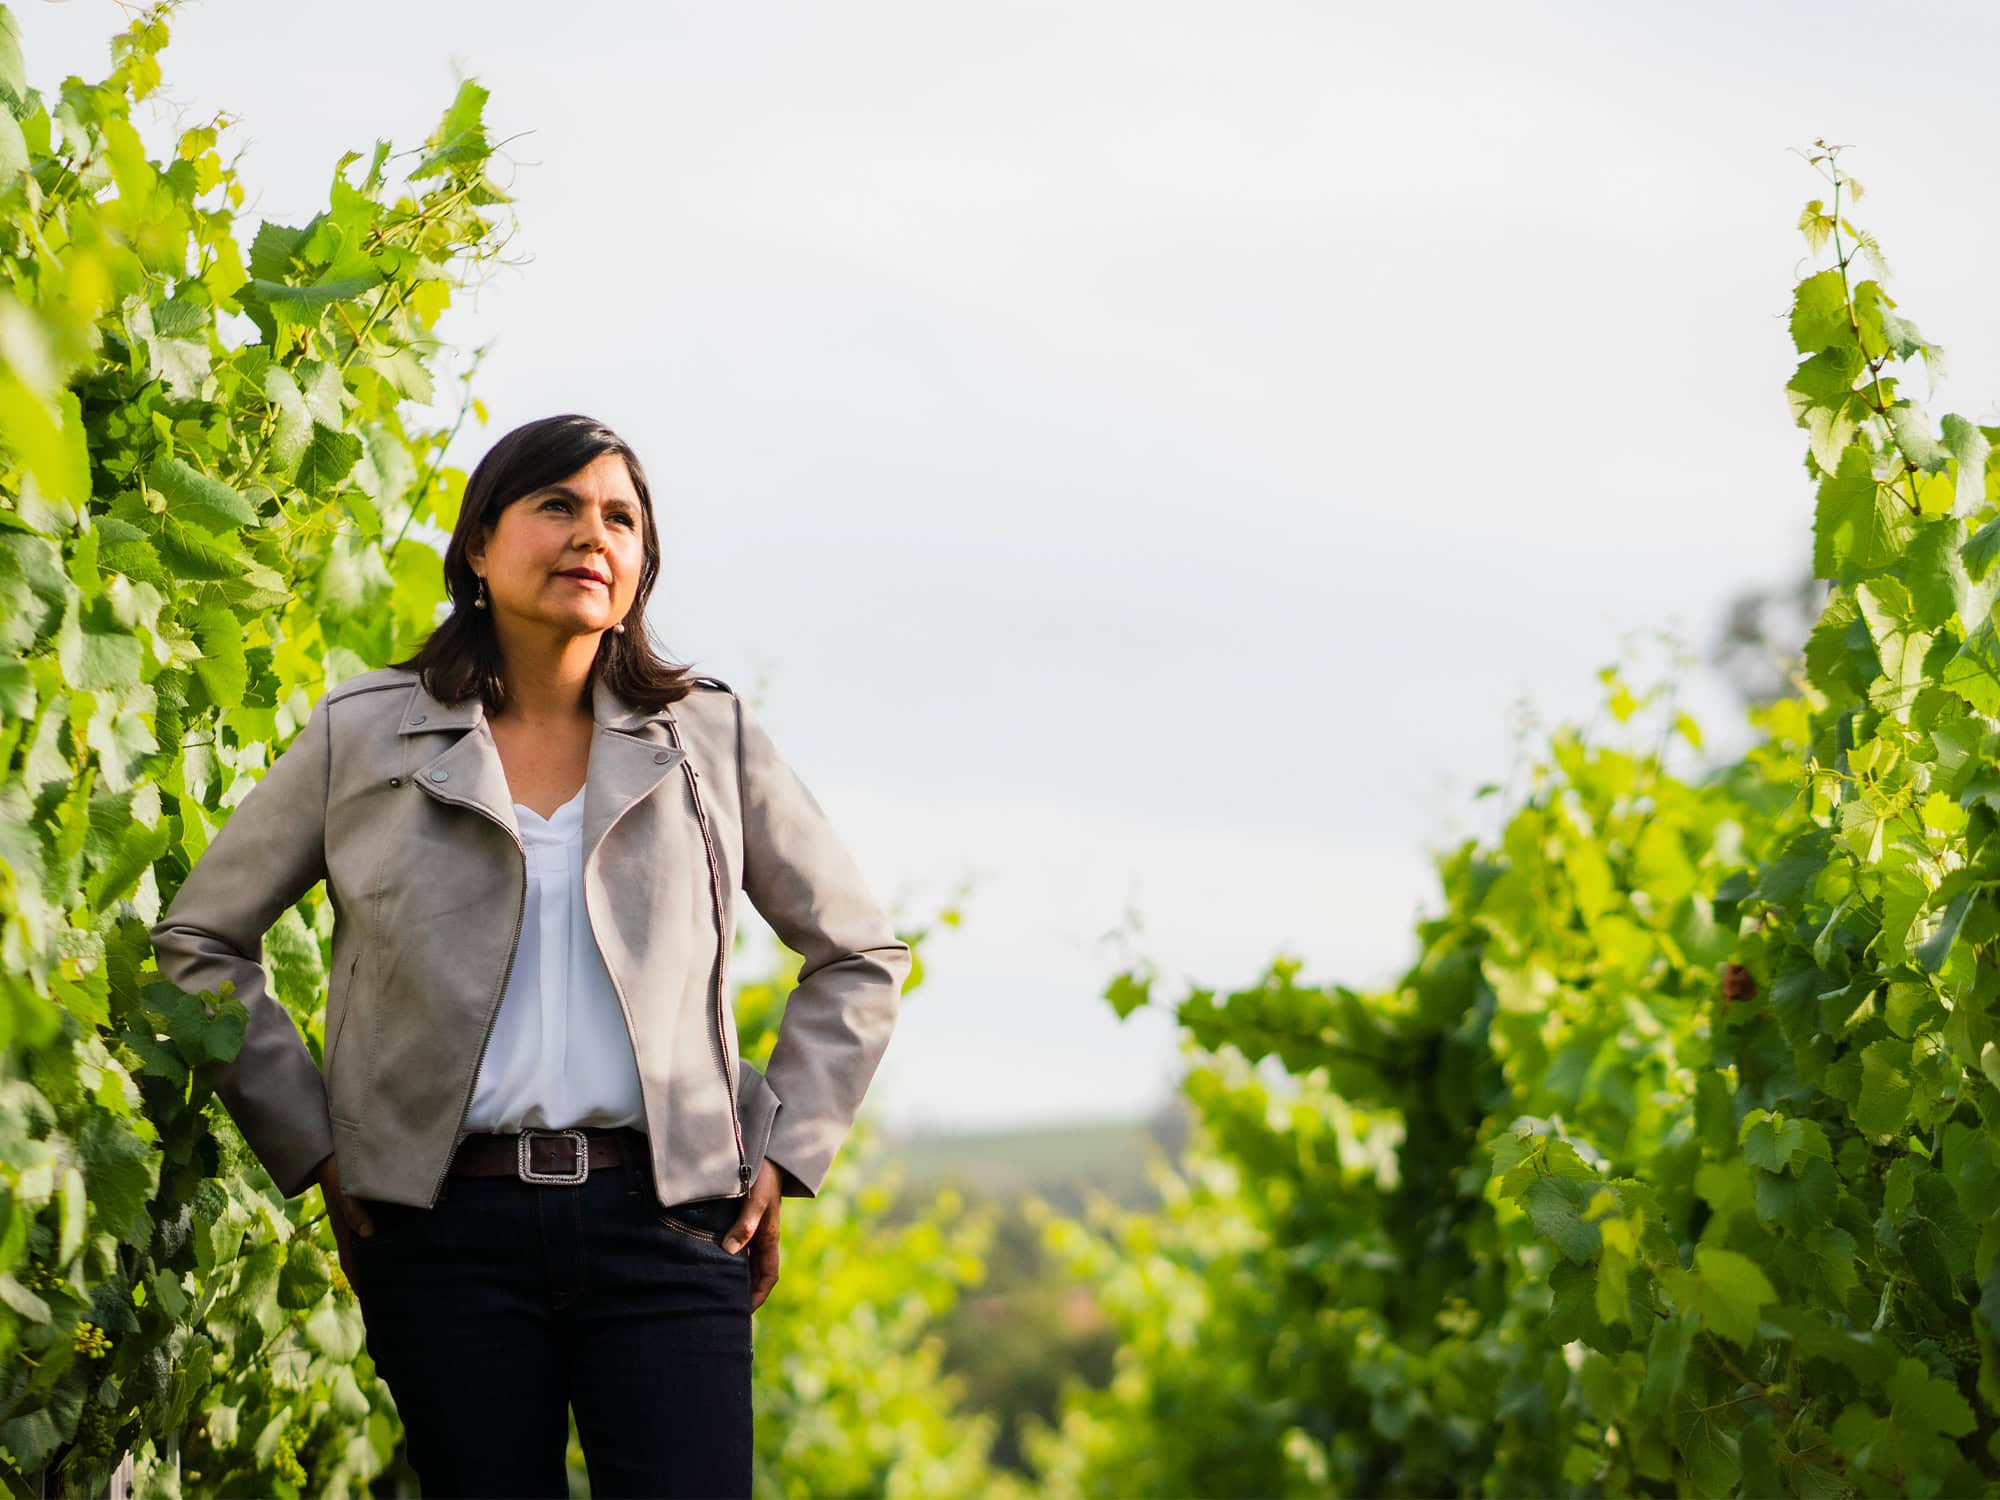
331	1055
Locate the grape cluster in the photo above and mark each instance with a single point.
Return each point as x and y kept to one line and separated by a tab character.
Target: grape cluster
92	1341
1962	1349
96	1432
285	1459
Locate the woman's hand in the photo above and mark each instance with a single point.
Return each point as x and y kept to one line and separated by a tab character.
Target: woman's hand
758	1223
347	1214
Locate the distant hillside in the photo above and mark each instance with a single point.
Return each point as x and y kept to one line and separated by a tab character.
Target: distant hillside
1027	1329
1058	1161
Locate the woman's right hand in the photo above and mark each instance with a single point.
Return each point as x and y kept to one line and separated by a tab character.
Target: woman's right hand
347	1215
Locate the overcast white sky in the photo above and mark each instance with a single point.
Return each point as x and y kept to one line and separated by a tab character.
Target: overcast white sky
1145	452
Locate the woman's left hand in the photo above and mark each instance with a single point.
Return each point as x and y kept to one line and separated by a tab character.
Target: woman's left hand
758	1223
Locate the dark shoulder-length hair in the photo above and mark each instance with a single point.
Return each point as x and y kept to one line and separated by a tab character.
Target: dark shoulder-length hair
461	656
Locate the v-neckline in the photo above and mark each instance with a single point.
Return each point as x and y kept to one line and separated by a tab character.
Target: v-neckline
549	821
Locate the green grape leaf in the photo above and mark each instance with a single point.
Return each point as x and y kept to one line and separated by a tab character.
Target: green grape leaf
329	456
1557	1211
1128	991
1726	1289
207	502
1775	1142
1884	1109
1968	448
1922	1403
1666	1359
1819	314
1859	526
1980	549
305	1278
460	138
1934	949
1912	430
1800	1203
1708	1449
1974	672
1937	1238
335	1328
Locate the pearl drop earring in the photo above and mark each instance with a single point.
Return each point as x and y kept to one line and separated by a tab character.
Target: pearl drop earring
480	602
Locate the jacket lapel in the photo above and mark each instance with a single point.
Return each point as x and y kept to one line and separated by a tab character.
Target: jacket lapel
630	755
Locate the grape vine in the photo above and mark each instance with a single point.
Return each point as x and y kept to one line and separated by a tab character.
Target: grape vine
1669	1166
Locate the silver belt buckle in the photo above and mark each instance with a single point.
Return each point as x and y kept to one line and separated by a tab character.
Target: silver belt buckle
528	1174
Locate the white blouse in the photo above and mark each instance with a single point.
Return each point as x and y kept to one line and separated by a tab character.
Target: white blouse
559	1054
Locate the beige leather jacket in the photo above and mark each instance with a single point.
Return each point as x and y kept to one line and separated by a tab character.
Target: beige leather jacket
400	804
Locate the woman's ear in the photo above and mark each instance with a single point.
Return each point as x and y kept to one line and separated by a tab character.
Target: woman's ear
481	536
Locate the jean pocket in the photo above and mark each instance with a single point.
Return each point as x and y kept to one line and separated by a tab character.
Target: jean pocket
705	1219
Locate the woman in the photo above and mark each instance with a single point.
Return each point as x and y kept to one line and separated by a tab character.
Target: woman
552	1180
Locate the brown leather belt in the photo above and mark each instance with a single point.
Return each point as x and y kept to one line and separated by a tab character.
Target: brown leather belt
561	1157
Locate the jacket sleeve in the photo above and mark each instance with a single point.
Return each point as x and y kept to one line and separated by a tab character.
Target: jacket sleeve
269	853
837	1020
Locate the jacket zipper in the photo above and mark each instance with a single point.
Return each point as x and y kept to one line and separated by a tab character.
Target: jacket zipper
624	1008
721	956
493	1006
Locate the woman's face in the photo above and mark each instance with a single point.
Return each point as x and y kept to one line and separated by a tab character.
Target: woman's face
590	522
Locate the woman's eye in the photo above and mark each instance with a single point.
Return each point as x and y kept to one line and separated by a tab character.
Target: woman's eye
621	515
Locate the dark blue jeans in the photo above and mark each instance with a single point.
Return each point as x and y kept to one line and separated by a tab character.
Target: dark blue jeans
492	1314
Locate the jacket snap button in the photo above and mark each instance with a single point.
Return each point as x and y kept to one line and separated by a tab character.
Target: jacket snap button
418	719
440	775
395	781
661	757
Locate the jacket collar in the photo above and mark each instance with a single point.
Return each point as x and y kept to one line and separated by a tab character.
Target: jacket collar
426	715
632	750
